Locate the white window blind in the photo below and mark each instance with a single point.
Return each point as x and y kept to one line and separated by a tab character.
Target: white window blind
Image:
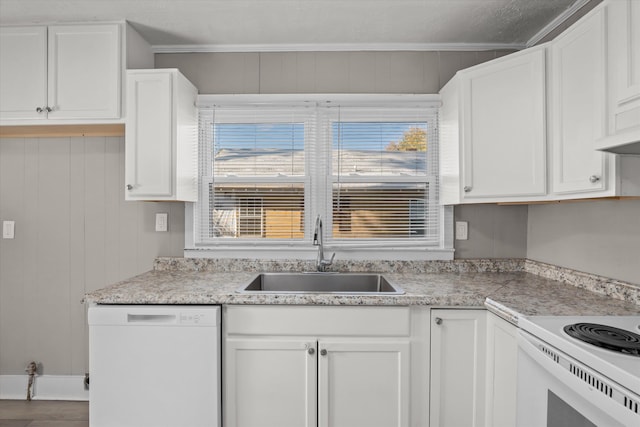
267	169
385	175
254	173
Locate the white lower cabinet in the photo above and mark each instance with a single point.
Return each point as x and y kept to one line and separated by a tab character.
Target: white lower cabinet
270	382
363	383
458	351
502	366
322	366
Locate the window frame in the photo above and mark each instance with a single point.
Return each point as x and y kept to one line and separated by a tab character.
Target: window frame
318	182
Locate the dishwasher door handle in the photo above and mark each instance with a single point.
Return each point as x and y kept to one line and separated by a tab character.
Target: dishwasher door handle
151	318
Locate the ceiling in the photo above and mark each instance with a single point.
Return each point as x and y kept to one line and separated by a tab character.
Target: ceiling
243	25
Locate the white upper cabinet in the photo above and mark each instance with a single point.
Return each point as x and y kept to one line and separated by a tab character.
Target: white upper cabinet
23	72
577	108
161	136
84	77
579	65
493	131
67	74
623	82
506	130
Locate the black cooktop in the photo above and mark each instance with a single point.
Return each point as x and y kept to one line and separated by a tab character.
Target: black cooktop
609	337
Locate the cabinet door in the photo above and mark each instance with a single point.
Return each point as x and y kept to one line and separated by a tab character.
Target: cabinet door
503	120
458	344
84	71
363	384
502	366
270	383
578	114
624	71
23	72
149	136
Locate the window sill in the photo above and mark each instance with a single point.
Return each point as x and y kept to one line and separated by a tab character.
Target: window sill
310	253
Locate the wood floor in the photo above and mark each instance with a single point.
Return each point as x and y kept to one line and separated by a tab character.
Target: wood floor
43	413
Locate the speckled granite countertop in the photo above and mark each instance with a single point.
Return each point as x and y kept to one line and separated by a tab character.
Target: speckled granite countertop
509	288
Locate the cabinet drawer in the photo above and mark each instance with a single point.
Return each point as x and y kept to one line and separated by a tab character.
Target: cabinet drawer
317	320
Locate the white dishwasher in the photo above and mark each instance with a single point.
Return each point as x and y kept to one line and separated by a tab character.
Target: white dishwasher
154	366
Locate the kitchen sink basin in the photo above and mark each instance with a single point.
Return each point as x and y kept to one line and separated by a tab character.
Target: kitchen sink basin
336	283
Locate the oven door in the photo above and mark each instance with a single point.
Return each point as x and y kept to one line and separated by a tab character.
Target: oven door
551	395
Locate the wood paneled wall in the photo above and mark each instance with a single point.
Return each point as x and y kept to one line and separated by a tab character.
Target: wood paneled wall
74	233
322	72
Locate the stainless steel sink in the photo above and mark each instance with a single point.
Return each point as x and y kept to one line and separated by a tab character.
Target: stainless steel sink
337	283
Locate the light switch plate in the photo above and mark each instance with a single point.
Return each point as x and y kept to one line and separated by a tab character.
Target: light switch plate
8	229
161	221
462	230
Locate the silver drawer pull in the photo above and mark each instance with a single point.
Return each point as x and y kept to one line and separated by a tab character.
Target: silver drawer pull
151	318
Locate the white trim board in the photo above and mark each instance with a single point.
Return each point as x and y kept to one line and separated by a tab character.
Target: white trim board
45	387
556	22
335	47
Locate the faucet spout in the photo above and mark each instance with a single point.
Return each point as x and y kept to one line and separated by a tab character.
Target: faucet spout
321	262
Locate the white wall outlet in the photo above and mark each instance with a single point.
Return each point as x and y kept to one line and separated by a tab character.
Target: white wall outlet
462	230
162	220
8	229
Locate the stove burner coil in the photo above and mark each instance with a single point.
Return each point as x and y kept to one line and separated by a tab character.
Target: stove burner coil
607	337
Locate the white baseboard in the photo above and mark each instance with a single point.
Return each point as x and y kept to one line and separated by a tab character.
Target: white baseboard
45	387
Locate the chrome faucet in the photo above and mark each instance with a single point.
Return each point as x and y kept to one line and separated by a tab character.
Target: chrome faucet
321	263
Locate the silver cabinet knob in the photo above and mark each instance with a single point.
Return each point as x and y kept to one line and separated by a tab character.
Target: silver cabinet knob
594	178
311	351
467	189
129	187
39	110
438	321
323	352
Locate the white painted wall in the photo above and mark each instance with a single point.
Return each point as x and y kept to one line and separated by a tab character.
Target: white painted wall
494	231
599	237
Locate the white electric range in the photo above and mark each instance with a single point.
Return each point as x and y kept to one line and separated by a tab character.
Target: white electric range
565	381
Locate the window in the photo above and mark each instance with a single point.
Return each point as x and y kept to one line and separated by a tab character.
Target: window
384	176
268	167
253	167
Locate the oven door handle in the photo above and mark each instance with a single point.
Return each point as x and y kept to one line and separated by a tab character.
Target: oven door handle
557	365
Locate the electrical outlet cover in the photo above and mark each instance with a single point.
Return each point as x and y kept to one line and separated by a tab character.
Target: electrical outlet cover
161	221
8	229
462	230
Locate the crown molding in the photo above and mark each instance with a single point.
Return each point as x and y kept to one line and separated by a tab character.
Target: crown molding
337	47
575	7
